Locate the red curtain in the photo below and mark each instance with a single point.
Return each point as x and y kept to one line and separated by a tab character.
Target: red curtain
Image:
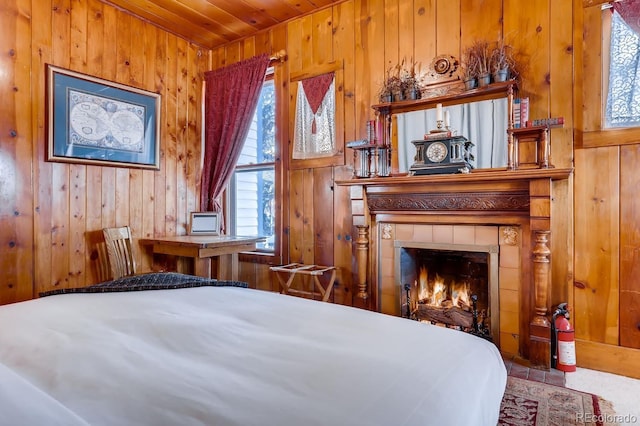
231	97
629	11
316	88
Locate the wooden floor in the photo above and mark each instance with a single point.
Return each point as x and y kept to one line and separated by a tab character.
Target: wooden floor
517	367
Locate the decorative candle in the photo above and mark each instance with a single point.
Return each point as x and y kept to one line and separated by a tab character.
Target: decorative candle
446	119
439	112
380	135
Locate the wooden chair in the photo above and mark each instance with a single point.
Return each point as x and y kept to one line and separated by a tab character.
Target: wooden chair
119	251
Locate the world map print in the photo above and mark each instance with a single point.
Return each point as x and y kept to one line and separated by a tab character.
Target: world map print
96	121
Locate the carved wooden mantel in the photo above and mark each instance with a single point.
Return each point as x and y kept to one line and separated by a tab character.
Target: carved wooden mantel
519	197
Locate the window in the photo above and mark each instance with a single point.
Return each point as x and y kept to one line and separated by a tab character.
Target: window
623	96
252	186
607	108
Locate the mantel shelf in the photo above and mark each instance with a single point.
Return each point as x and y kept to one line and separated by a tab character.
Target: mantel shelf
462	178
492	91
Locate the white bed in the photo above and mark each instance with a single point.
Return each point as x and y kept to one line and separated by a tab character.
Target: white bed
235	356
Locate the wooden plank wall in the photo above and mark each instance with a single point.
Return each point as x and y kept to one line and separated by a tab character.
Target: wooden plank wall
606	306
16	201
51	214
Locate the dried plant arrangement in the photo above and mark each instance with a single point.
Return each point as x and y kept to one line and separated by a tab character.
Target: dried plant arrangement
501	56
502	62
469	66
392	84
412	80
402	82
481	52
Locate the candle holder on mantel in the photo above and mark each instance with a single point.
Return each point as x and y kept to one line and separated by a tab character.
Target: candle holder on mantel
370	160
441	131
439	127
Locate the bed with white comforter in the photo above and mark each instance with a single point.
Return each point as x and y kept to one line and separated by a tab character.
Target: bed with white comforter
235	356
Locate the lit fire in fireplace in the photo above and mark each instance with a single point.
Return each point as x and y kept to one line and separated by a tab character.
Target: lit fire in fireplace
441	294
449	288
446	302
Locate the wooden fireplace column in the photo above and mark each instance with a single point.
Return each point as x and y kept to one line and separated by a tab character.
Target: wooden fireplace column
521	196
362	254
540	220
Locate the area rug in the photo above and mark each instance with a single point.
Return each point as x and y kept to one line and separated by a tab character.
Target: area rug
529	403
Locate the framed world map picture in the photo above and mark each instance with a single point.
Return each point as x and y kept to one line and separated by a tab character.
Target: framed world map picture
94	121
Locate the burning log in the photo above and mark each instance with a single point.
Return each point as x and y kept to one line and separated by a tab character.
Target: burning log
450	315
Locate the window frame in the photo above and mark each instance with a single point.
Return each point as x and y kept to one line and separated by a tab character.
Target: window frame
591	103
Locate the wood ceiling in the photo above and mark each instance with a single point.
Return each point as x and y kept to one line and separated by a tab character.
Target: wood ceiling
212	23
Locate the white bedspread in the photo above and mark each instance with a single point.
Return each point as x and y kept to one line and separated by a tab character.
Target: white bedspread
232	356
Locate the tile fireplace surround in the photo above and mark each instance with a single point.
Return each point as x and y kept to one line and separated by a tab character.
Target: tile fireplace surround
506	332
508	208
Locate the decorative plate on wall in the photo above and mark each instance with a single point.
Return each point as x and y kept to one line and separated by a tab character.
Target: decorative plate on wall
442	78
443	68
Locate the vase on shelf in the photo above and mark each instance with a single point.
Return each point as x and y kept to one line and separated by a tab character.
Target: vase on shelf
484	79
398	96
470	83
412	94
386	98
501	75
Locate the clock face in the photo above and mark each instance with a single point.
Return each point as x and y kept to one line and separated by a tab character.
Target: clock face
436	152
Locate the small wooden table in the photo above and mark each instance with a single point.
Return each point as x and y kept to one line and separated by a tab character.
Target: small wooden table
314	270
202	248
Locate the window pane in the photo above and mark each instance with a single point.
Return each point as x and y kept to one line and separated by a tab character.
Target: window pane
259	147
254	207
252	189
623	100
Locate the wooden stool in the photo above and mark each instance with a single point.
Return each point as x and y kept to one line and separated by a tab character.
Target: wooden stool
314	270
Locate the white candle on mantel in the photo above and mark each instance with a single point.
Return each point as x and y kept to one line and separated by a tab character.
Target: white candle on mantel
446	118
439	112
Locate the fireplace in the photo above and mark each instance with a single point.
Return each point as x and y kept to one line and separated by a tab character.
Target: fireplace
453	285
446	208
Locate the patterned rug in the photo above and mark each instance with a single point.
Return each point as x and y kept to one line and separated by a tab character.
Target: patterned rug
532	403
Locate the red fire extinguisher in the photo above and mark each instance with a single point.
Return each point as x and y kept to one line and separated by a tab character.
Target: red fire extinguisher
563	341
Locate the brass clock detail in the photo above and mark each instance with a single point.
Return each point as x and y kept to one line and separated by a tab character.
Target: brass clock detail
436	152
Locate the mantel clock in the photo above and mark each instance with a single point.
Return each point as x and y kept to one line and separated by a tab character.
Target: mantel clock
442	155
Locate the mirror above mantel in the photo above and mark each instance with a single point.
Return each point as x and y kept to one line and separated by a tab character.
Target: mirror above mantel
484	123
481	115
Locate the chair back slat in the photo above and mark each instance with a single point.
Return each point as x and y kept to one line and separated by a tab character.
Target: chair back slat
120	251
103	266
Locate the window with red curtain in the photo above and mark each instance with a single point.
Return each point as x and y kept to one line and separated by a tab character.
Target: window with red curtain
231	96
